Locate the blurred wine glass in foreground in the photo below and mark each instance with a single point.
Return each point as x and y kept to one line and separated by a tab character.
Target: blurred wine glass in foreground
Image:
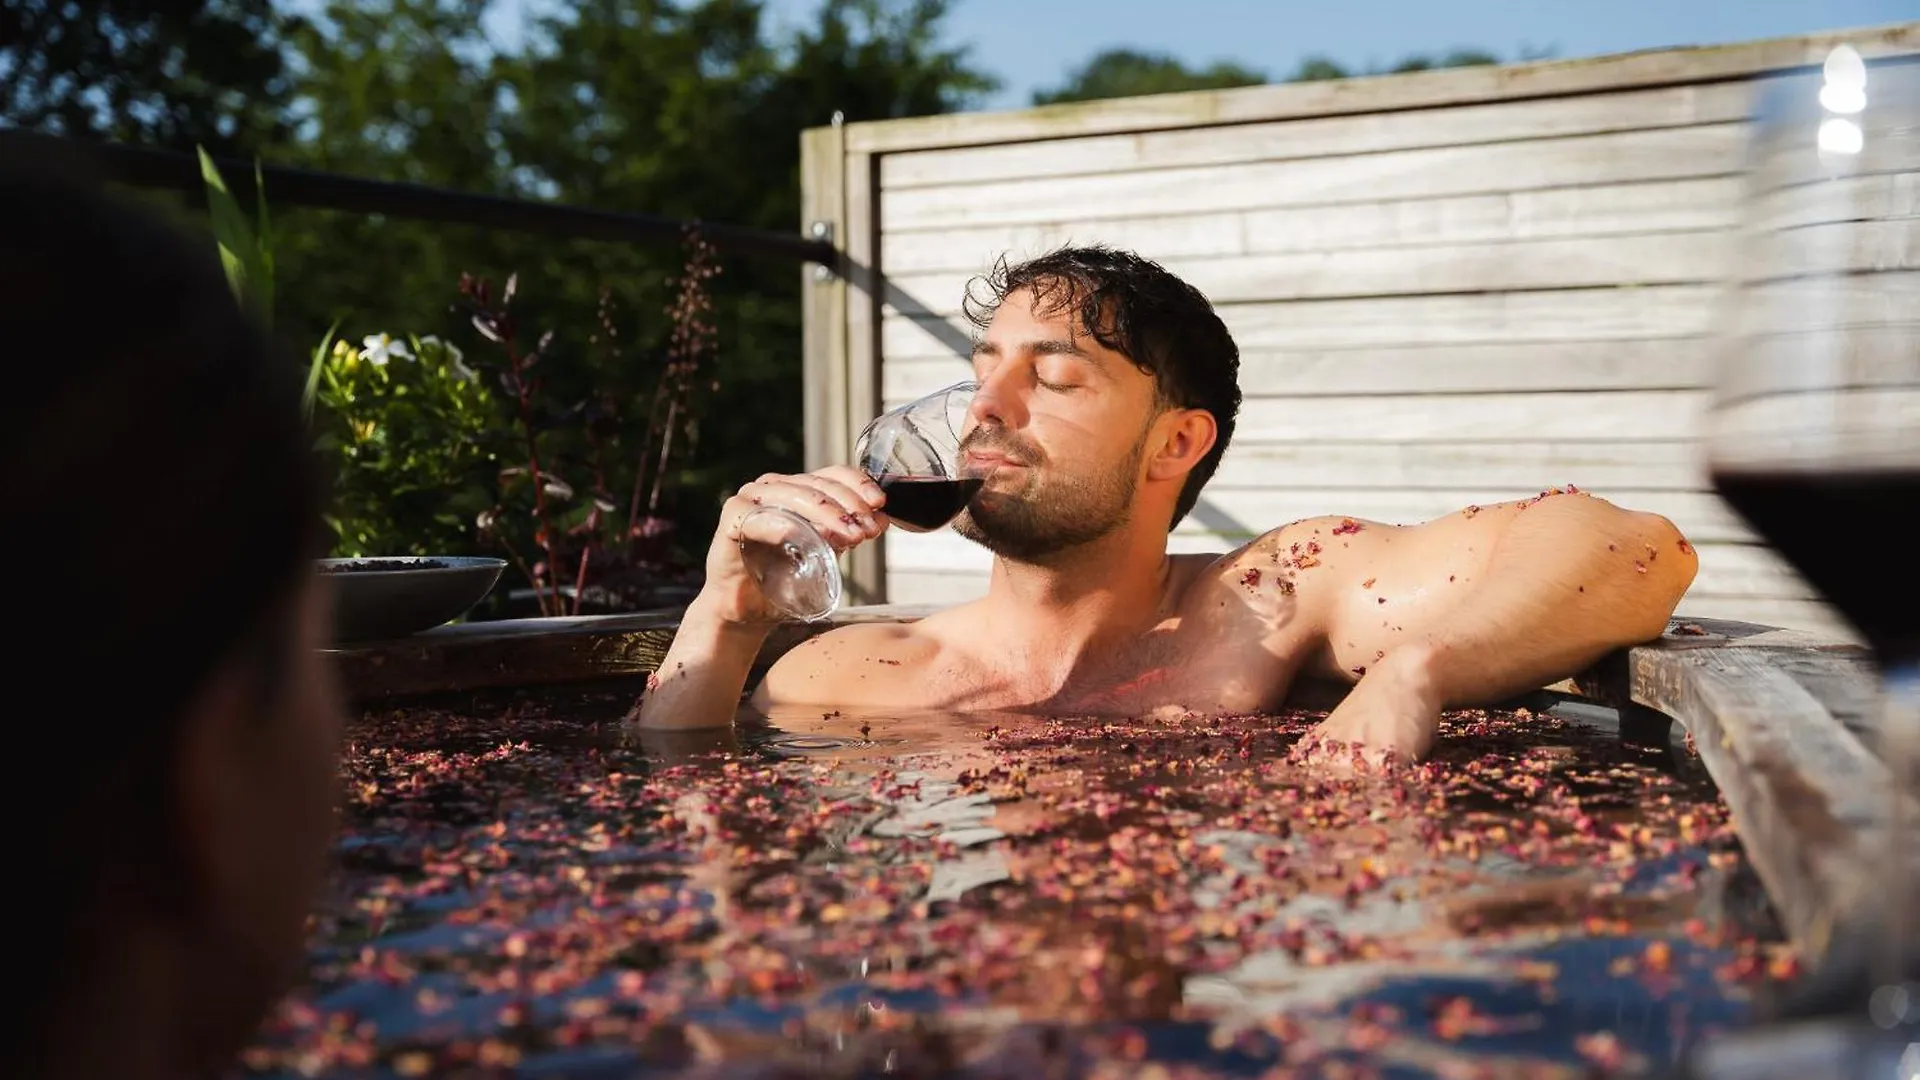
1813	435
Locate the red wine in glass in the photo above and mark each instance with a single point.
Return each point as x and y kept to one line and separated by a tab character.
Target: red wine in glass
913	451
926	503
1846	532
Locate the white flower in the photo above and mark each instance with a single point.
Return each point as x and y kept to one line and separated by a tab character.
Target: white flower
377	349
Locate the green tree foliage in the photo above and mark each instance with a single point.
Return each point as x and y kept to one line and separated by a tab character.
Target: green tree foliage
1453	59
1319	69
689	111
1119	73
214	73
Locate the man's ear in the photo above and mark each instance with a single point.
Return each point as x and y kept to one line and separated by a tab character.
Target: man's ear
1183	437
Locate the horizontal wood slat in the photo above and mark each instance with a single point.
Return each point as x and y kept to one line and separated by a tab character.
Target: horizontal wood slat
1854	198
1587	262
1584	262
1310	137
1632	415
1670	154
1667	364
1612	314
1659	206
1627	414
1612	465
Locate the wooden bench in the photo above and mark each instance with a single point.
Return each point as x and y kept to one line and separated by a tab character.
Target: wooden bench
1783	720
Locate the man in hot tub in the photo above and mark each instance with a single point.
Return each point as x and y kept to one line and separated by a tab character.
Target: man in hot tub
1108	392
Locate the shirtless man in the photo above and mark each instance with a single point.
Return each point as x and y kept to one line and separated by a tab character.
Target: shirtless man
1108	392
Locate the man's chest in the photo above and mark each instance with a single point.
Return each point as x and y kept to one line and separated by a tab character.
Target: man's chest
1169	669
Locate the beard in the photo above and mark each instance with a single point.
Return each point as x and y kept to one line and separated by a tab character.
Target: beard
1031	515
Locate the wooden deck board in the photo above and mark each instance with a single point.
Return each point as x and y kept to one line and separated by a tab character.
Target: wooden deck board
1784	722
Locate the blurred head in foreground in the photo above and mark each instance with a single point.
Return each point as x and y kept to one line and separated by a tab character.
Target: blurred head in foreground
174	725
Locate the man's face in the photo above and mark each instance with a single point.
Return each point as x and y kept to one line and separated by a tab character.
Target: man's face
1064	422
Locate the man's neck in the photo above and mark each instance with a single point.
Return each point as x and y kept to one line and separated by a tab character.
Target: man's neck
1083	598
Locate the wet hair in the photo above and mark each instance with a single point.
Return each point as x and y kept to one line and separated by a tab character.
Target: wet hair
164	508
1137	308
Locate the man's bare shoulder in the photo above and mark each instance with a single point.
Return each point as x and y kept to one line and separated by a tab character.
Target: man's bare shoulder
1339	557
851	664
1303	557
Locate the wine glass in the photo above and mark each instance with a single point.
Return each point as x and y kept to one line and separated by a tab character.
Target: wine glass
1813	432
913	453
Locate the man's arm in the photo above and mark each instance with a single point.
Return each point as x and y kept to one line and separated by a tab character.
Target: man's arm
1488	603
698	684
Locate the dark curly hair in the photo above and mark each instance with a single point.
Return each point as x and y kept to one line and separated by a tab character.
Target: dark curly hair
1139	309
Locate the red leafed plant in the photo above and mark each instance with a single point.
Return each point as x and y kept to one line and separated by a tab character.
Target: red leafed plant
567	456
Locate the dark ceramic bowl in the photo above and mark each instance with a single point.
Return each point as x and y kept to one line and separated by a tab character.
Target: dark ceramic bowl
394	596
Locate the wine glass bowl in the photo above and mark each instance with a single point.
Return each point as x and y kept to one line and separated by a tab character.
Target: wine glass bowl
913	453
797	569
1812	433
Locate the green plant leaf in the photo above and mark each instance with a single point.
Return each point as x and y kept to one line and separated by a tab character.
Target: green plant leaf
314	368
263	242
239	250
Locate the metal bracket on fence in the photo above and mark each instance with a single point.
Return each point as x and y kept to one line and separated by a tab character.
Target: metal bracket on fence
823	232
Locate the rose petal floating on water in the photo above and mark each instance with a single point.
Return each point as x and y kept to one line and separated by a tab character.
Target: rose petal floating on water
597	899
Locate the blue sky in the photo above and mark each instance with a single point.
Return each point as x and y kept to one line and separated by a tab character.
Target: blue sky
1033	43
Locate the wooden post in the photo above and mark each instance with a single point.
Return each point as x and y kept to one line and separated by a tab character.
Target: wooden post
823	367
866	567
841	366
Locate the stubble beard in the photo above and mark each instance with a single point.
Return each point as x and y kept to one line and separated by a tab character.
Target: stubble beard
1044	518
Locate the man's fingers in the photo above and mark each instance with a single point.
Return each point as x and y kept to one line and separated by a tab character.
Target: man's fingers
829	516
848	476
841	503
854	502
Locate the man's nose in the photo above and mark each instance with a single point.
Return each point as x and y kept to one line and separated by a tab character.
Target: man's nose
1000	400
